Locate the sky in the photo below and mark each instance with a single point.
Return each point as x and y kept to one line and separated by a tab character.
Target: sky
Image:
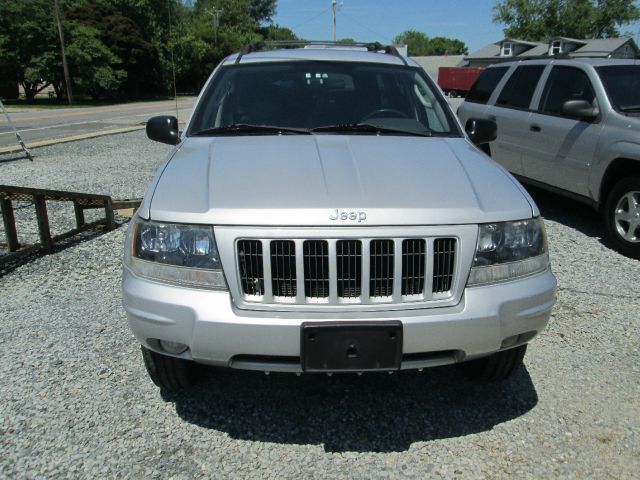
369	20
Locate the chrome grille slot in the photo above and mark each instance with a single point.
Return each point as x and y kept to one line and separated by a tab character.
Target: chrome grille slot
283	268
349	261
251	268
316	268
413	266
444	255
381	256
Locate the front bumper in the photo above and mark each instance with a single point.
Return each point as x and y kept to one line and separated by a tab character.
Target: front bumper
219	334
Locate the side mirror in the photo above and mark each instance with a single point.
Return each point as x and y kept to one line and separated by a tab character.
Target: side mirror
163	129
580	109
481	130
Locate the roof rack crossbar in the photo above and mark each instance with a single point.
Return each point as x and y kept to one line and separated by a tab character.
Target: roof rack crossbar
370	46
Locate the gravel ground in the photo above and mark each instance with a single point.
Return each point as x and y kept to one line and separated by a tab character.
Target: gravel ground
76	402
105	166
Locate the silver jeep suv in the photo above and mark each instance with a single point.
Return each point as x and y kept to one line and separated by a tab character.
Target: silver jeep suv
324	211
571	126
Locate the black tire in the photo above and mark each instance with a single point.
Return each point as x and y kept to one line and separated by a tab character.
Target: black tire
619	191
496	367
170	373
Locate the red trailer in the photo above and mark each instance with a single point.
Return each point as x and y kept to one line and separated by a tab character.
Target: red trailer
457	81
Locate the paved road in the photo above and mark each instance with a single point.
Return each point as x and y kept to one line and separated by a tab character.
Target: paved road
41	125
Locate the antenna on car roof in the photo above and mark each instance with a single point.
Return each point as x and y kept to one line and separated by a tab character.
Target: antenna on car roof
370	46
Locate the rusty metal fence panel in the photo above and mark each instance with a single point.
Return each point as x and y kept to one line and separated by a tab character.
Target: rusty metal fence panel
39	197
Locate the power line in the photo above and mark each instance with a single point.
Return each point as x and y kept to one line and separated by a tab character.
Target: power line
312	18
377	34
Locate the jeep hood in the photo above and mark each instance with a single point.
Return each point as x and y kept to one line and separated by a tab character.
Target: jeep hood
301	180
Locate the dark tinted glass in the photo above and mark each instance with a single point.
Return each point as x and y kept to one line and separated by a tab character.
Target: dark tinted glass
312	94
622	83
563	84
519	89
485	84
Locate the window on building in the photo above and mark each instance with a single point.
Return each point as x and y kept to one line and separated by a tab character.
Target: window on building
556	47
507	49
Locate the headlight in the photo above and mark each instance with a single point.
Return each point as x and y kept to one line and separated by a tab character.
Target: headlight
175	253
508	250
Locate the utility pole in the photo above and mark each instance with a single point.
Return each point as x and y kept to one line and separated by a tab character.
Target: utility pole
215	13
333	4
65	67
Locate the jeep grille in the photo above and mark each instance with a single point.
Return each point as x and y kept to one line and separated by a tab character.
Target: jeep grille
346	271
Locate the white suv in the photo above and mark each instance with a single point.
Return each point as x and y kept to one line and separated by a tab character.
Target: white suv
325	212
571	126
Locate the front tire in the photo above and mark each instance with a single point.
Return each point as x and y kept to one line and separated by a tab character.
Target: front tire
170	373
496	367
622	216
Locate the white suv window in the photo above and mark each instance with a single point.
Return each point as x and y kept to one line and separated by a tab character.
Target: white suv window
563	84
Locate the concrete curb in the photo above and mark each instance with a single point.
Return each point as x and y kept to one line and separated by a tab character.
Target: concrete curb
84	136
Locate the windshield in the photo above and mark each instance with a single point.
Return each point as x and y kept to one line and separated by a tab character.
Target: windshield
622	83
314	95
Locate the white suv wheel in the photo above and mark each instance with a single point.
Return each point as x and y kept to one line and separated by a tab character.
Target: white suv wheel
627	216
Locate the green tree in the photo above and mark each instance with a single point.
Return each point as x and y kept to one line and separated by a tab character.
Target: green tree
138	57
538	20
419	44
198	46
29	46
447	46
262	10
276	32
128	48
92	63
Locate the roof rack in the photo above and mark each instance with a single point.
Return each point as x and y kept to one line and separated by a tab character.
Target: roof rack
557	56
370	46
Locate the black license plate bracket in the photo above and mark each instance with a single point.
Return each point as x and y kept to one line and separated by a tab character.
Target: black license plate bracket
351	346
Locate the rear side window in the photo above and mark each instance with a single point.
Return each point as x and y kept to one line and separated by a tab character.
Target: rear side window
485	84
565	83
519	88
622	83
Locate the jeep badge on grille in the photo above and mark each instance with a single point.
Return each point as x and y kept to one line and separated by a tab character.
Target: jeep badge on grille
345	215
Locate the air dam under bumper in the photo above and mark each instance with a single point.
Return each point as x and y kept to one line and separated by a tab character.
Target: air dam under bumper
219	334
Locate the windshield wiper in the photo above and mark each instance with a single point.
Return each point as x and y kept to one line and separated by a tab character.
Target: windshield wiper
368	128
249	128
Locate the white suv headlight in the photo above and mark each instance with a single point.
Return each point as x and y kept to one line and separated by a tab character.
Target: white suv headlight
175	253
509	250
